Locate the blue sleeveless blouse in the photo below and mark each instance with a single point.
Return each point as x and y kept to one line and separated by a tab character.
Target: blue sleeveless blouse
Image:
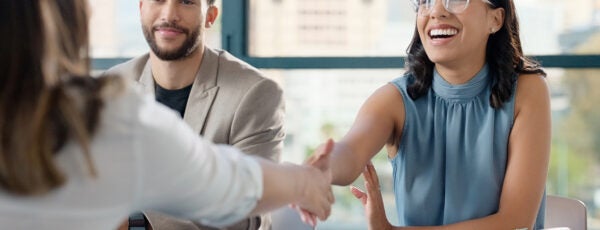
452	155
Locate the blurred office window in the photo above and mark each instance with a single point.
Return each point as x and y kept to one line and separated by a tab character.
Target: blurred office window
307	28
329	28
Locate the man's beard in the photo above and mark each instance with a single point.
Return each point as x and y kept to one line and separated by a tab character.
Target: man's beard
189	45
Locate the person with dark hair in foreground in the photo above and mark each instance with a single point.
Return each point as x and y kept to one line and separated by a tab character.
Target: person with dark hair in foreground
78	152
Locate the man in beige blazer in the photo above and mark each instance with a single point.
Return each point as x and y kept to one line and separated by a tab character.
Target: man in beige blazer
222	98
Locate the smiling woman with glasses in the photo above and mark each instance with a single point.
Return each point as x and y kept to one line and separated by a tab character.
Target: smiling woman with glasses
467	128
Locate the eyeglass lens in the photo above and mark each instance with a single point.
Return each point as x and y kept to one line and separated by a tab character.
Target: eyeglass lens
453	6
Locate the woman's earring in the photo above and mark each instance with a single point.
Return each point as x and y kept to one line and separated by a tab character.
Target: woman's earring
492	30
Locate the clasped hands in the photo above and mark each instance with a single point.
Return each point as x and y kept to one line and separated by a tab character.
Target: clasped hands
371	200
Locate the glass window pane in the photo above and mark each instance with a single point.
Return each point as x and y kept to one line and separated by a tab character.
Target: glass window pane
556	26
329	28
575	156
116	30
385	27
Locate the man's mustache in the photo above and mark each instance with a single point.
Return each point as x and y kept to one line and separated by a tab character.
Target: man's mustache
171	26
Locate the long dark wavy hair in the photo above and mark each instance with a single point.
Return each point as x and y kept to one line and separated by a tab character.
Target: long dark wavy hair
46	94
504	56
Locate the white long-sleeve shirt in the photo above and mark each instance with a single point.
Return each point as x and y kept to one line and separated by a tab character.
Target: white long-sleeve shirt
146	159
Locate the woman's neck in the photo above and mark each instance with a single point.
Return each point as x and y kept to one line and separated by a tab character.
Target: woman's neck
457	74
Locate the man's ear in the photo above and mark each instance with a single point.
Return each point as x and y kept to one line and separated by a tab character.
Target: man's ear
211	16
497	19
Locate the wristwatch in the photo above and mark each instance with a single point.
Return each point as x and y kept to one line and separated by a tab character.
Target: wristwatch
137	221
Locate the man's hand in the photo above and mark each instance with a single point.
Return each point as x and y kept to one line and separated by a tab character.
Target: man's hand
319	160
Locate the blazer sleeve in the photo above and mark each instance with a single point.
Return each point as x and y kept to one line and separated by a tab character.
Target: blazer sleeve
185	176
257	126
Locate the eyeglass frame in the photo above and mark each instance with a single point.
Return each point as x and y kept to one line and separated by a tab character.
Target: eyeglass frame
417	6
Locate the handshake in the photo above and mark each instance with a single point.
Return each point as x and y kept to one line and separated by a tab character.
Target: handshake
307	187
315	196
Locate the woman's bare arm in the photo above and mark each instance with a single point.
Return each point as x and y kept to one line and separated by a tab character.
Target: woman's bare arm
380	119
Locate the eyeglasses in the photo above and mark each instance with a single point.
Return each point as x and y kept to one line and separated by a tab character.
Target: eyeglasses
423	7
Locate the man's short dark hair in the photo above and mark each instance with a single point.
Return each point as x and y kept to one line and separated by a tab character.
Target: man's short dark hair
211	2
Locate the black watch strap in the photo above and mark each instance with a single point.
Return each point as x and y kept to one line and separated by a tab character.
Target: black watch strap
137	221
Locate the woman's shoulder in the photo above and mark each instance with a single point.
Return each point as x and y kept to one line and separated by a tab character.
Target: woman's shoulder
124	102
531	90
530	83
120	94
403	81
531	78
130	112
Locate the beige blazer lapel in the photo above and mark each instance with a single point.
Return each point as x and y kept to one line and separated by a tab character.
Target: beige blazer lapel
146	79
203	92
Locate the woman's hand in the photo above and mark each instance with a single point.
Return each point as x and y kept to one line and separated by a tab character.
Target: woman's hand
322	177
372	200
